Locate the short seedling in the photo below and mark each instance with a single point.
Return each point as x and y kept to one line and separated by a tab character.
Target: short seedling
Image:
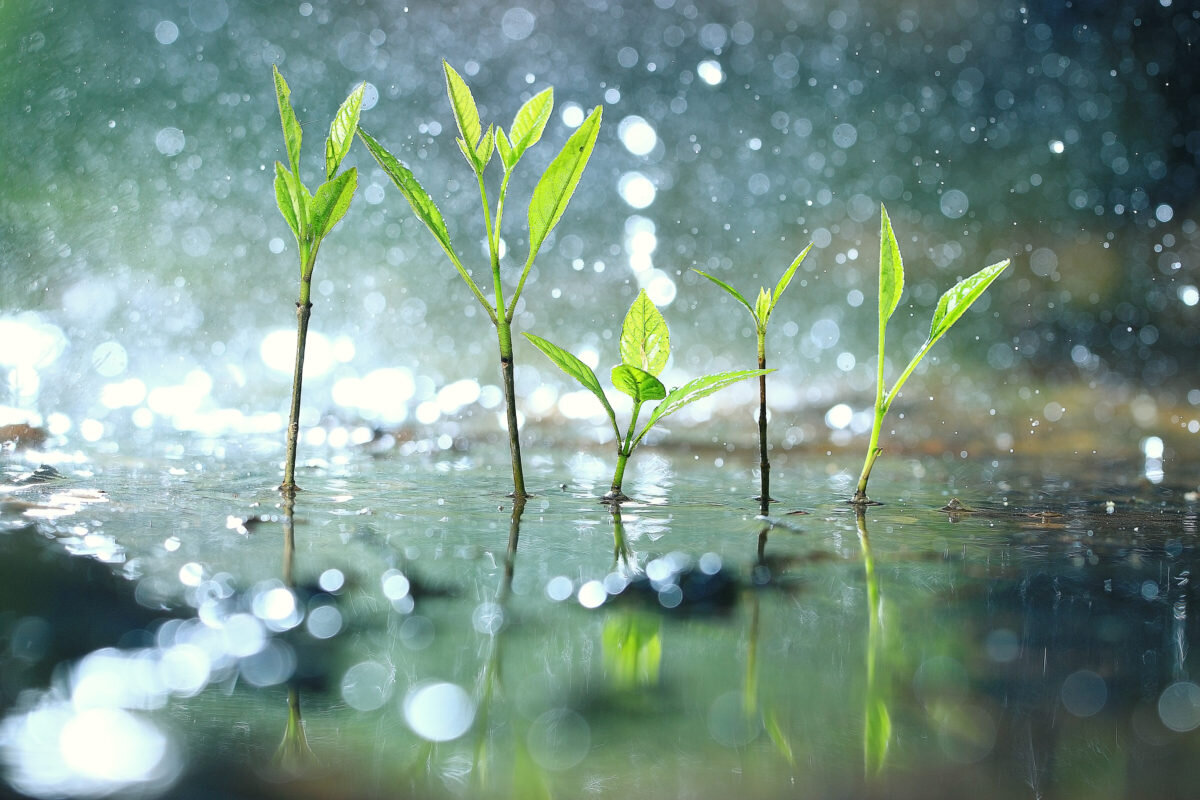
761	313
645	347
546	207
952	305
311	218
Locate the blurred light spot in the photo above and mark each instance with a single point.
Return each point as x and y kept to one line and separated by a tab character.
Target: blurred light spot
487	618
517	23
417	632
26	341
824	333
845	135
324	622
438	712
243	635
275	605
636	189
366	686
332	580
1164	213
572	115
166	32
395	585
109	359
1056	146
559	739
1179	706
846	361
185	669
208	15
1189	295
370	96
637	135
169	141
838	418
1084	693
123	394
92	430
270	666
710	72
954	204
278	351
191	574
592	594
113	748
381	395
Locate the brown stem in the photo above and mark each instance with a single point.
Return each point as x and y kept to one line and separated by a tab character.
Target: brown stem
514	437
764	465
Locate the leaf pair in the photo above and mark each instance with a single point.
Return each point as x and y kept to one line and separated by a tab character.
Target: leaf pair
310	217
767	298
645	348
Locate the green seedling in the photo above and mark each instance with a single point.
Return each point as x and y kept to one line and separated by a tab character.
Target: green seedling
311	218
761	313
952	305
546	207
645	347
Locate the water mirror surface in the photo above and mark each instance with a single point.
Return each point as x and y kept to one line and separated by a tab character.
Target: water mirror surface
1016	627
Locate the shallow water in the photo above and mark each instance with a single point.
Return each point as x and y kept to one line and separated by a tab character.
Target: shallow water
164	617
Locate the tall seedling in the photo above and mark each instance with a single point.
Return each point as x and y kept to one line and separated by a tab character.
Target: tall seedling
761	313
546	207
952	305
645	347
311	218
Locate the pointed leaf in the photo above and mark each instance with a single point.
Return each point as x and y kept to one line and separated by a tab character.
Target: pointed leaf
506	152
736	294
287	116
693	390
891	269
465	112
422	204
530	121
575	368
637	383
763	306
955	302
645	341
483	153
285	199
341	131
557	184
332	201
786	278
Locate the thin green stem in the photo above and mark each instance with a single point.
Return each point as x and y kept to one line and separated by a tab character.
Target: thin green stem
912	365
615	493
303	312
504	333
624	450
764	465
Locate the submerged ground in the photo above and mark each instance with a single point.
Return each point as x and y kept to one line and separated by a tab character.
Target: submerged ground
168	626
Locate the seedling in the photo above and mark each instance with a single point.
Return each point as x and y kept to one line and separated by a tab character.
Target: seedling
761	313
645	347
549	201
311	218
952	305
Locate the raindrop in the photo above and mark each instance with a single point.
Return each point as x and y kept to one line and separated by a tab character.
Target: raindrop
166	32
954	204
517	23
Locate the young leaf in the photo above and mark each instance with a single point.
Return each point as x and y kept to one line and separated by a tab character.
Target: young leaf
291	128
530	121
786	278
506	152
341	131
762	307
422	204
576	369
285	199
465	112
637	383
693	390
645	342
332	201
959	298
736	294
483	153
891	269
558	182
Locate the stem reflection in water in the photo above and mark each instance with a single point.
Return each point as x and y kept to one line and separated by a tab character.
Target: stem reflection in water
877	722
293	754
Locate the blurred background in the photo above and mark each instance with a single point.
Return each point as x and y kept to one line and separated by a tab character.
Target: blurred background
148	282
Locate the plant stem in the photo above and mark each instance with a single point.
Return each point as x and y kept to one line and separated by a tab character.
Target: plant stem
624	450
303	312
764	465
615	493
504	332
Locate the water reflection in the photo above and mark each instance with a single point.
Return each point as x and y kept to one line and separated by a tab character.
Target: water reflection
293	754
877	724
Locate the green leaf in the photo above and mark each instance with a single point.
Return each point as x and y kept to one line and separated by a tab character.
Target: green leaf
575	368
763	306
285	199
786	278
483	153
645	341
506	153
736	294
637	383
693	390
465	112
778	737
341	131
877	735
287	116
558	182
954	303
530	121
891	269
332	201
422	204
